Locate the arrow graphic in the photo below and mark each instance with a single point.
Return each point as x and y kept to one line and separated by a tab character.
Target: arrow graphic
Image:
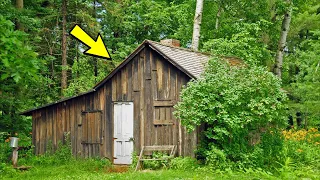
96	47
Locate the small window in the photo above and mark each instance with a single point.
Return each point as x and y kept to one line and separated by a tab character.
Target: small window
163	115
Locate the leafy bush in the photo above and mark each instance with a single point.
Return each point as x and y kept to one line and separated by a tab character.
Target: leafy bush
216	158
5	150
183	163
238	105
158	163
269	152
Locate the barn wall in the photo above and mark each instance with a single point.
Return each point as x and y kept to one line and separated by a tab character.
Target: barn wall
153	84
82	117
150	81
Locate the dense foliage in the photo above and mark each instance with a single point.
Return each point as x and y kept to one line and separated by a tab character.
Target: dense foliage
237	104
19	70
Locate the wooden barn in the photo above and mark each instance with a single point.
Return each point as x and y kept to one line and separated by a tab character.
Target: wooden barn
131	108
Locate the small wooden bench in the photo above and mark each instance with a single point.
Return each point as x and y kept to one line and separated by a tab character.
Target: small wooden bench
170	148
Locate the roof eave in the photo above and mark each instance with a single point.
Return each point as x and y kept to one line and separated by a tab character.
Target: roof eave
29	112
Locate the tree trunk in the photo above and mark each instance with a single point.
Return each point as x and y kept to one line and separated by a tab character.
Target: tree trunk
95	60
196	25
282	41
19	6
64	63
218	16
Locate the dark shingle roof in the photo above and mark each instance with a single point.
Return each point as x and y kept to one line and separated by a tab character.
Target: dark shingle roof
191	61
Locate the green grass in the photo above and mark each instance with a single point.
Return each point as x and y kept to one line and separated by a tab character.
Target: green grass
85	170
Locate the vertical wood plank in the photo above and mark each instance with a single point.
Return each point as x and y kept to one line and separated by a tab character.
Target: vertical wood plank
114	88
63	117
49	128
153	60
54	128
154	85
77	127
130	88
173	89
175	132
82	127
45	128
173	96
97	123
84	134
72	126
124	83
157	128
169	128
136	121
159	78
91	132
119	87
34	126
37	132
59	124
109	121
102	98
166	83
149	112
136	73
67	116
178	85
142	101
147	68
41	135
162	128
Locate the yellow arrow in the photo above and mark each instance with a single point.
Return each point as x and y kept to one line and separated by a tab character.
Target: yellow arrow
97	47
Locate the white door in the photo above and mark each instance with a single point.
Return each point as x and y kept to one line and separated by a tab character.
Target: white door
123	132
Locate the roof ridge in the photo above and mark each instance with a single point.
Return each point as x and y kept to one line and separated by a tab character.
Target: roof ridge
180	48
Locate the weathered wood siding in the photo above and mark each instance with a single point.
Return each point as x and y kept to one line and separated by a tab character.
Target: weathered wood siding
82	118
149	81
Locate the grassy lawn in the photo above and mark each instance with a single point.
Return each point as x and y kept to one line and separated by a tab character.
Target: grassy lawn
87	171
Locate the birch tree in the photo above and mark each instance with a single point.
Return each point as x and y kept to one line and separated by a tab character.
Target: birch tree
196	25
283	39
218	16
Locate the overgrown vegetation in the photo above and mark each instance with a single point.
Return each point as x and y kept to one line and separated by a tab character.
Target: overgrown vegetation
242	108
299	156
62	158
